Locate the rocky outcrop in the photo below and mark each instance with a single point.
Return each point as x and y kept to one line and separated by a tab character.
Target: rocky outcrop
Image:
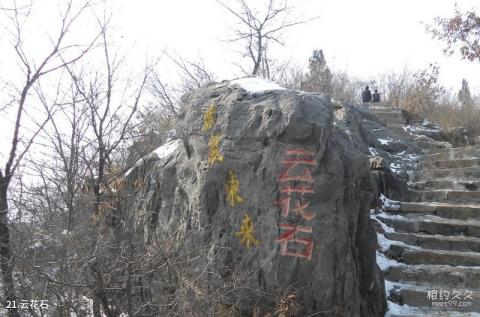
267	194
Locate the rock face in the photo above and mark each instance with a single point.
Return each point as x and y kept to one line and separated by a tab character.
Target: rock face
267	193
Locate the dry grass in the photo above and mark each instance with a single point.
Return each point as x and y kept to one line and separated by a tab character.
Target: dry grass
453	117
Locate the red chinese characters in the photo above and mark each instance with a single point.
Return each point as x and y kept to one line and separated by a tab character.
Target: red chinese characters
295	181
291	235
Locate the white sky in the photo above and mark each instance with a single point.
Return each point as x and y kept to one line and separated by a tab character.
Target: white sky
362	37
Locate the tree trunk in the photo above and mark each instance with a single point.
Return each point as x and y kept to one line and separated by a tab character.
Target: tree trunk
96	307
258	58
100	293
6	263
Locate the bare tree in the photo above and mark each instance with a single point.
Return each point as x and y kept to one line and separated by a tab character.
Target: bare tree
77	202
258	31
397	85
33	70
425	92
110	107
166	100
344	87
289	75
193	75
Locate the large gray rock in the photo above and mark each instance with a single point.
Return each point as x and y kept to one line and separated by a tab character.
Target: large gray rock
277	144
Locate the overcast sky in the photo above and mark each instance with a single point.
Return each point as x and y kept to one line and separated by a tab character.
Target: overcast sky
362	37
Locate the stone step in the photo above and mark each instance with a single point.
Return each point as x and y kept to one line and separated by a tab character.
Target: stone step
427	144
455	163
437	276
422	141
443	210
418	256
437	241
381	107
454	153
449	173
390	119
430	313
469	148
428	298
442	195
390	116
431	224
398	130
381	104
457	184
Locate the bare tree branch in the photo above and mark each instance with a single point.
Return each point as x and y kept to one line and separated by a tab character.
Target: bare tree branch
33	74
258	30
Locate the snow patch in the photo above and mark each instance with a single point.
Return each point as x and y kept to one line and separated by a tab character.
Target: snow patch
401	310
385	141
373	151
167	149
388	202
161	152
171	135
383	242
409	128
411	175
348	133
412	157
384	226
395	168
383	262
256	84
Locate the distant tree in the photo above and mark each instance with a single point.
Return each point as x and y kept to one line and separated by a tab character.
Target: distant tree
460	32
424	94
193	75
319	77
464	95
259	29
156	118
289	75
397	85
344	87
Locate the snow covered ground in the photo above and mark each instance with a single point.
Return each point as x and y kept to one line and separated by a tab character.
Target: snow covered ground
161	152
385	141
256	84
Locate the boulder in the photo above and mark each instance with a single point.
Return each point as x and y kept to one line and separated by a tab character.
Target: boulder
266	193
377	163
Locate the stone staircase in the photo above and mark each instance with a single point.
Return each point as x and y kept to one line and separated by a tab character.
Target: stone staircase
430	244
394	119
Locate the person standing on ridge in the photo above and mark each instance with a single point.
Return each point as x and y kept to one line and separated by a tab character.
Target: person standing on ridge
376	96
366	95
